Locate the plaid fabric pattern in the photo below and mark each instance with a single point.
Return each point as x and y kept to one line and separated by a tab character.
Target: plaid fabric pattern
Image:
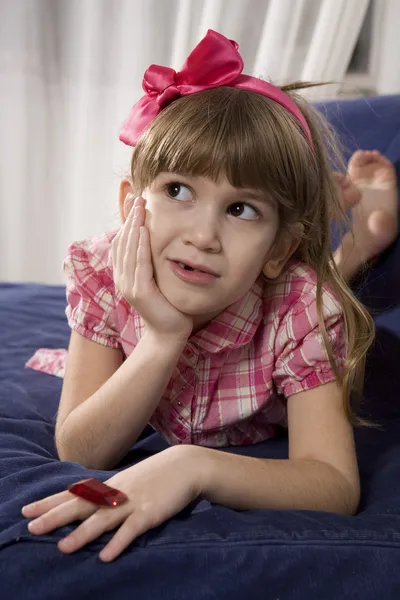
49	360
234	376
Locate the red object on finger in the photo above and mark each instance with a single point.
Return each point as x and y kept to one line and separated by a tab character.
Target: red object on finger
98	492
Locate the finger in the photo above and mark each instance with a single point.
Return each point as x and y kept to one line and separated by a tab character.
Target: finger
121	247
36	509
123	238
102	520
140	201
129	531
114	248
132	244
126	228
76	509
144	267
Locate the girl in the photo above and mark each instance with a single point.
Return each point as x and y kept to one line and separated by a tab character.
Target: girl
216	312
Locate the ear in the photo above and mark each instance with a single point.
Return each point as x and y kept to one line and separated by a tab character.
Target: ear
126	198
282	251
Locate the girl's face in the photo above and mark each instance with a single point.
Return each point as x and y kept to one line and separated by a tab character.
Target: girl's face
209	241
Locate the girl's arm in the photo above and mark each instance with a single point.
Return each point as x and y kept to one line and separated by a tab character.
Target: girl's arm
321	473
105	404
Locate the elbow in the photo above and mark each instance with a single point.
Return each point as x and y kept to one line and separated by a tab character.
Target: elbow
66	447
347	494
69	448
347	506
61	442
351	499
335	491
66	454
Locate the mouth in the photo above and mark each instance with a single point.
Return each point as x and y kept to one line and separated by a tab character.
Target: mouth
189	266
193	274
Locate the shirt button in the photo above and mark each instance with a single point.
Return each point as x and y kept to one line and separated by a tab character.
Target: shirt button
179	403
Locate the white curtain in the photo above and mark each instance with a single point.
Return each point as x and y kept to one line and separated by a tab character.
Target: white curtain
387	46
71	69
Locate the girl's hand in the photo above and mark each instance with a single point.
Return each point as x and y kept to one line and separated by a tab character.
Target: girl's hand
157	489
133	277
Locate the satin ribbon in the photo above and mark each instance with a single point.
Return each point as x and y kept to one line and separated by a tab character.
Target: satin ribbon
214	62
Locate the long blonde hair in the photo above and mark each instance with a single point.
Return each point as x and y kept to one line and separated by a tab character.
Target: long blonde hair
256	143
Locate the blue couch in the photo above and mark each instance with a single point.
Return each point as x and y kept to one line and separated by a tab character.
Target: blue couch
208	551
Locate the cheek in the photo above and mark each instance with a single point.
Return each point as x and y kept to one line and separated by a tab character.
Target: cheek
160	227
250	256
156	213
248	268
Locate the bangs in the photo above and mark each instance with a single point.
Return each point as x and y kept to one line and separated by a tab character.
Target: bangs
220	133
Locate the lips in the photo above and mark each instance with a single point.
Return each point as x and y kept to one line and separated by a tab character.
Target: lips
190	266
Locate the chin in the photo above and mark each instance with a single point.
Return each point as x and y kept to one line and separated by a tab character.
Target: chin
192	303
191	306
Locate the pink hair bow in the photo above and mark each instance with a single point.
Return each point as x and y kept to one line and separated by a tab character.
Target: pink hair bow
214	62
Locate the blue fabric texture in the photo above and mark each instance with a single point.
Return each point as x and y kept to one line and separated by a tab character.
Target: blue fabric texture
207	551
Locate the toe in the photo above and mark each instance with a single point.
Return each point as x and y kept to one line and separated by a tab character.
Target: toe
349	195
359	158
369	167
385	162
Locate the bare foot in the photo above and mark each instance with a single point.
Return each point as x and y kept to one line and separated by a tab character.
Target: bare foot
371	194
349	192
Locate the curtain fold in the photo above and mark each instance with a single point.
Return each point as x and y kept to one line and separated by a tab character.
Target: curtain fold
388	47
71	69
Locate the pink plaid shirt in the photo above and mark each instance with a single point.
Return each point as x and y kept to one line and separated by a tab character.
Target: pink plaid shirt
233	378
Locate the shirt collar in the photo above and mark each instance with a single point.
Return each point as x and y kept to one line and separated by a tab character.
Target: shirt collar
232	328
235	326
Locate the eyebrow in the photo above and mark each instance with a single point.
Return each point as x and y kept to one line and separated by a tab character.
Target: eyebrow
251	194
260	196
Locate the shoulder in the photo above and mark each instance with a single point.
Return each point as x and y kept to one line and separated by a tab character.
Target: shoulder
295	292
90	290
93	254
295	346
88	266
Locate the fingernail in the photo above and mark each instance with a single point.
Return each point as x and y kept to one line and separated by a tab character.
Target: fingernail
66	544
35	526
27	508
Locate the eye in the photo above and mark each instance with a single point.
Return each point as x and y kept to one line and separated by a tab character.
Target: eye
178	191
243	211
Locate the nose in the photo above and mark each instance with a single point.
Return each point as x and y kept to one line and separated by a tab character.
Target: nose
202	230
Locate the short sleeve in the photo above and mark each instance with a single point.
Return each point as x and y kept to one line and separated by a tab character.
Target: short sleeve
301	360
90	292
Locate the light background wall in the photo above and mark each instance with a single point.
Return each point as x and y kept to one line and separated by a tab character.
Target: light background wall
71	69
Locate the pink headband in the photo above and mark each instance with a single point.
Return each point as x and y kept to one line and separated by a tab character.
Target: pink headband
214	62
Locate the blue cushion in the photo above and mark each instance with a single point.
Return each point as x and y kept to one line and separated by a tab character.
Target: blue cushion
368	124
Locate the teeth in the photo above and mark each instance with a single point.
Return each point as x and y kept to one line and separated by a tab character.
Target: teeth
186	267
